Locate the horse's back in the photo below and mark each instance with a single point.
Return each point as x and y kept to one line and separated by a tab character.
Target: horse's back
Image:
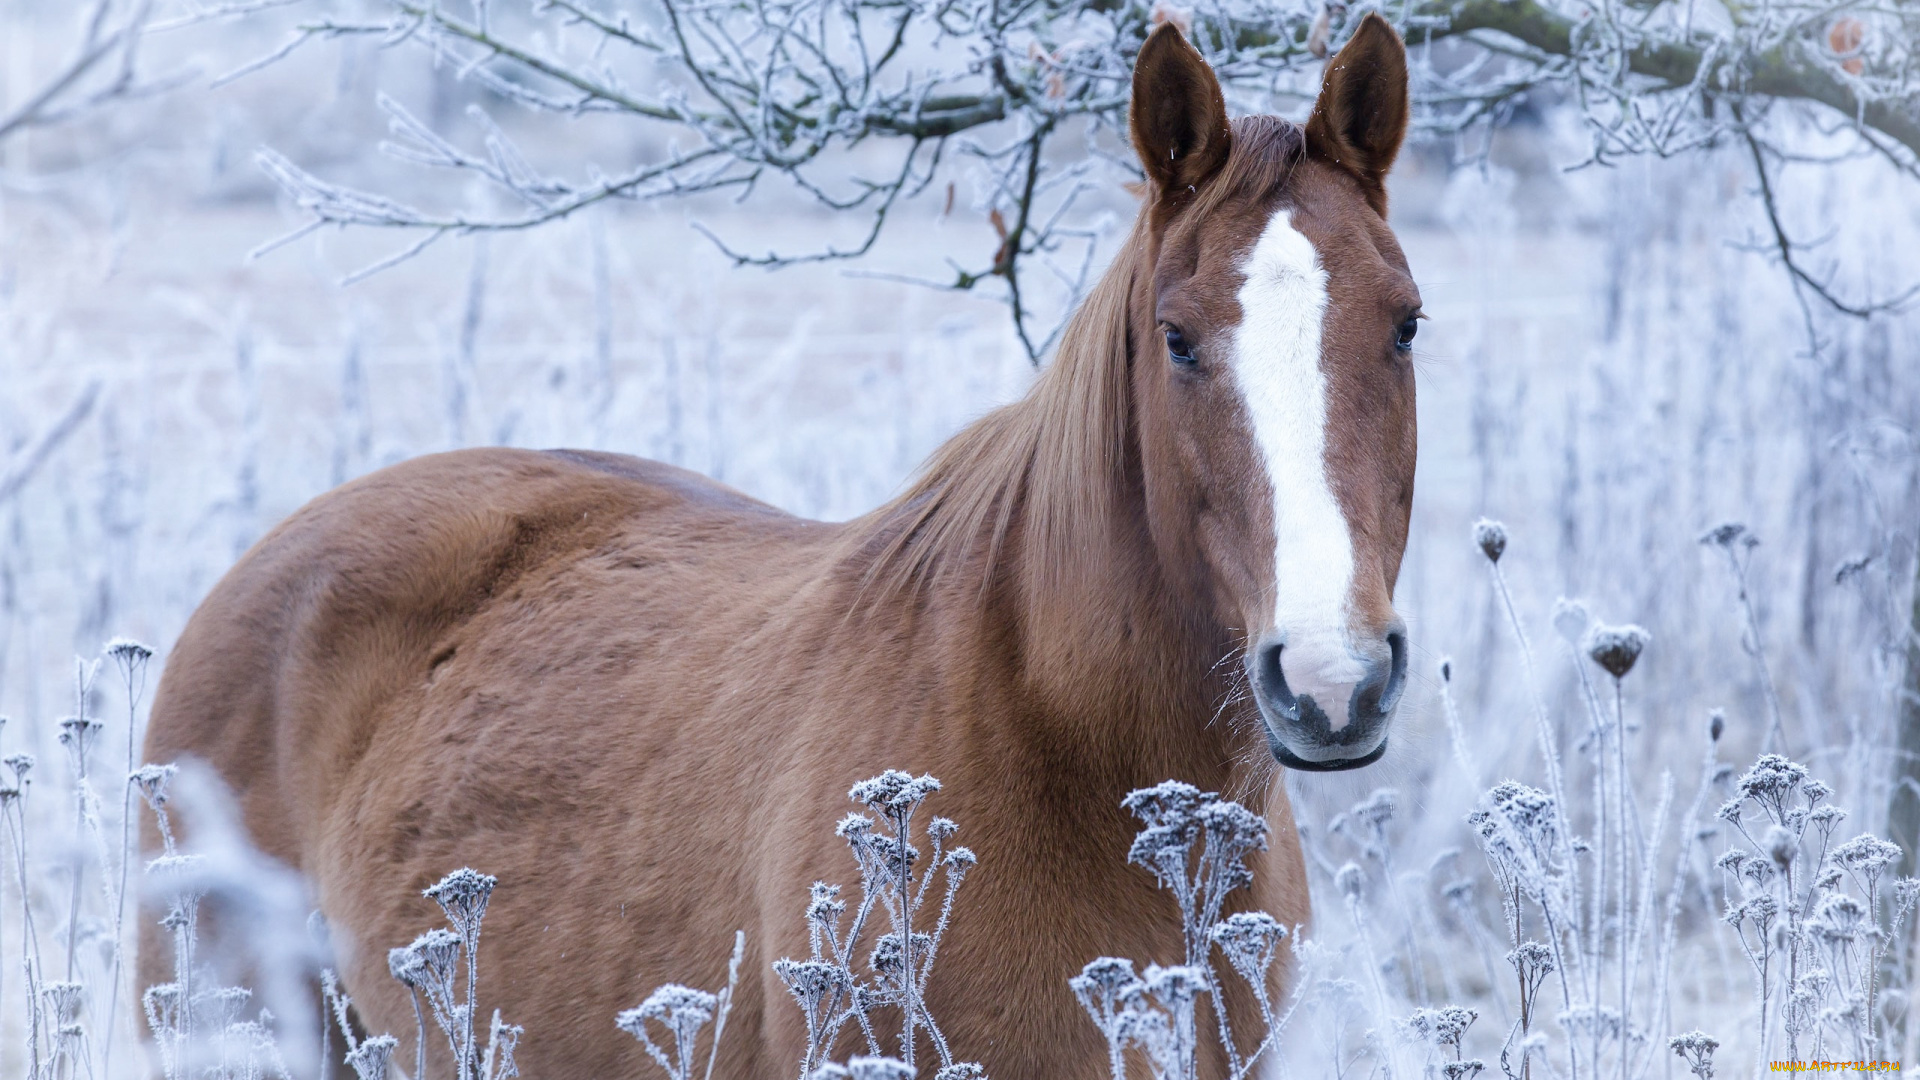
281	674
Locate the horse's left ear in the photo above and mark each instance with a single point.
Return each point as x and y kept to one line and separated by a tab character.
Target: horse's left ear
1179	118
1361	116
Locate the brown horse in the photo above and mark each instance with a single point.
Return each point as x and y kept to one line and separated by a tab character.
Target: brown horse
640	698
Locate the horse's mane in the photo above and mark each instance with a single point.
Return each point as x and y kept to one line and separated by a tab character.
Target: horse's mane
1056	456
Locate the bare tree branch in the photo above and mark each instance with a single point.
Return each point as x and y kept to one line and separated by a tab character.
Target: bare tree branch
109	34
29	459
786	89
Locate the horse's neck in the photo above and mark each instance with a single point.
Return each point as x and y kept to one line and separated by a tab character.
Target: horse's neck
1125	665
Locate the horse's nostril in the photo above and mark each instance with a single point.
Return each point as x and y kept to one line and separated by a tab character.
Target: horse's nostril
1397	671
1378	695
1271	679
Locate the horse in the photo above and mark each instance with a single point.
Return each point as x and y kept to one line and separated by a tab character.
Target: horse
640	698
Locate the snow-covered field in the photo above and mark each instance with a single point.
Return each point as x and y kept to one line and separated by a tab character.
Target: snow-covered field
1607	371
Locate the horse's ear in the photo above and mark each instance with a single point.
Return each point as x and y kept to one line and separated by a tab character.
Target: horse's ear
1361	116
1179	119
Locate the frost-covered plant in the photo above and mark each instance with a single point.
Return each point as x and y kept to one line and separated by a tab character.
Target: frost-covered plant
443	965
198	1027
1598	931
827	985
1196	845
682	1012
1444	1030
1696	1049
1813	946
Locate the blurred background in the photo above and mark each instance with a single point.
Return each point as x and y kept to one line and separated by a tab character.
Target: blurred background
1616	362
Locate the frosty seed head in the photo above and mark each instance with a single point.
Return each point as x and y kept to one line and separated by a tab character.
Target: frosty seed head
1377	809
1157	845
810	981
878	1068
1351	881
1169	800
152	780
1696	1048
1616	648
1491	537
371	1058
1531	957
1570	619
405	966
1466	1069
675	1004
1726	534
1232	829
463	895
1716	724
64	1000
128	651
438	951
1175	986
1443	1026
893	790
853	827
824	906
1771	782
1514	812
78	731
1248	932
1756	875
1838	922
887	958
962	1070
1866	855
1107	974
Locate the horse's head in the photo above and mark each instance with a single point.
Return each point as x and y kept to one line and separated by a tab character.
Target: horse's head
1271	330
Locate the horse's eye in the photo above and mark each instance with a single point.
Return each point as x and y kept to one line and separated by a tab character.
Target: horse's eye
1178	350
1404	340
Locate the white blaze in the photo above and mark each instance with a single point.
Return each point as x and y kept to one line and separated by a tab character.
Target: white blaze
1277	364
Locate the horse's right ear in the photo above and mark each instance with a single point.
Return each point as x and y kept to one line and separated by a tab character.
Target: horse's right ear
1179	118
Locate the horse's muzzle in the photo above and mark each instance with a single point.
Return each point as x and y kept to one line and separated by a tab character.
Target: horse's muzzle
1299	731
